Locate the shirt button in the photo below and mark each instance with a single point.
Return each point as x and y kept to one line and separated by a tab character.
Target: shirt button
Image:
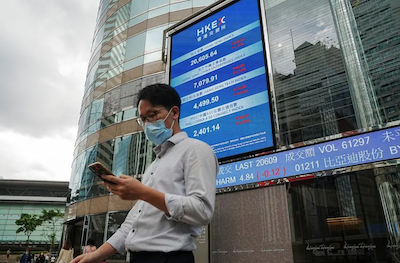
140	211
133	231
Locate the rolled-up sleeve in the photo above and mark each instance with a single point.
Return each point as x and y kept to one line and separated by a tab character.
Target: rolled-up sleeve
200	173
117	240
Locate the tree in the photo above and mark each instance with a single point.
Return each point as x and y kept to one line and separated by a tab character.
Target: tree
51	216
28	224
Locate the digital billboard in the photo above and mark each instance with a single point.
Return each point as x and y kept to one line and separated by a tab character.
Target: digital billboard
360	149
218	66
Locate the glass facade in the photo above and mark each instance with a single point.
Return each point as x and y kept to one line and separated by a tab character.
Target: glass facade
10	212
335	69
346	218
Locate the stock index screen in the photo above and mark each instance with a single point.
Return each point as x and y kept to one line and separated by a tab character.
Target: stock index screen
218	67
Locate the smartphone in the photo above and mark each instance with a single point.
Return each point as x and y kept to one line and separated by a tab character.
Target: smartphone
99	169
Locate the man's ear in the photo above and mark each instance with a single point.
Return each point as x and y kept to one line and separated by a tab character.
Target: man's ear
175	112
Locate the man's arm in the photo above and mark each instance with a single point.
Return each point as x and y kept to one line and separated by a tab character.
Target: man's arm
200	173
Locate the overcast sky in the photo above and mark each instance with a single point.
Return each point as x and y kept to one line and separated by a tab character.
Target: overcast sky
44	54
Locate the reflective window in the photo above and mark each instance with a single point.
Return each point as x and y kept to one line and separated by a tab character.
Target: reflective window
96	110
202	3
154	38
355	215
311	84
133	153
159	11
156	3
103	7
109	27
137	19
155	56
89	118
138	7
121	154
115	220
122	16
180	6
9	213
81	177
91	76
133	63
335	71
98	38
96	228
378	25
117	57
135	46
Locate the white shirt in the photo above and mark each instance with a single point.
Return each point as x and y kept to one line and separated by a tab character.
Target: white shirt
185	169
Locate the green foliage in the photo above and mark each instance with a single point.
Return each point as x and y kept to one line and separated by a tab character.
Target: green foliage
28	224
51	216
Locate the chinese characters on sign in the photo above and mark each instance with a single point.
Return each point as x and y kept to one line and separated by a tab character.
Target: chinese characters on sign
360	149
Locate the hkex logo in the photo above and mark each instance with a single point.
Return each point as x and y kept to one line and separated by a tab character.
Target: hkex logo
211	26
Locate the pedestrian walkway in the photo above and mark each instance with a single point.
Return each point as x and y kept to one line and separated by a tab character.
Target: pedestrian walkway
12	258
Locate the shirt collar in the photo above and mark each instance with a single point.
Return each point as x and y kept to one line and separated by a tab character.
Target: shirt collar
175	139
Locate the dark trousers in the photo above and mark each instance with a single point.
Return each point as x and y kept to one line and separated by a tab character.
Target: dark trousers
161	257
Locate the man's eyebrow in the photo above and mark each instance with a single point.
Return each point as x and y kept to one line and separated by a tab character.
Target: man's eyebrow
151	111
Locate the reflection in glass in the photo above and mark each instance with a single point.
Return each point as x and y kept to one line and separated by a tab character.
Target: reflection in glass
344	211
180	6
151	57
83	183
109	27
137	20
135	46
202	3
159	11
388	181
115	220
311	85
379	29
133	154
138	7
122	15
96	228
98	38
157	3
154	39
361	89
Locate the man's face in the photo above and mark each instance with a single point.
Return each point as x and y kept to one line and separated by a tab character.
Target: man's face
151	113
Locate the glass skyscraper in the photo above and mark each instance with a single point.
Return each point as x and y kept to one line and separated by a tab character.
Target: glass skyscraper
335	68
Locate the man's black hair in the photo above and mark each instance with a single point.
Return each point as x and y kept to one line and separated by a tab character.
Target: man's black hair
160	94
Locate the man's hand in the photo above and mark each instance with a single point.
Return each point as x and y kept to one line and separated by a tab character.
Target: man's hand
103	252
87	258
129	188
126	187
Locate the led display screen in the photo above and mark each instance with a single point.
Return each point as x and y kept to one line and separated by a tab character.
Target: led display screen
360	149
218	67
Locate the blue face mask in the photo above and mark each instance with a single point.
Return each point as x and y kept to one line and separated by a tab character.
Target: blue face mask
157	132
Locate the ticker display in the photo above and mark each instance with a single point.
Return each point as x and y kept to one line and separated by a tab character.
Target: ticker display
218	67
360	149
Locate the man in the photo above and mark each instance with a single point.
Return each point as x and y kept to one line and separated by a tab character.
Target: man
177	192
41	258
8	254
26	258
